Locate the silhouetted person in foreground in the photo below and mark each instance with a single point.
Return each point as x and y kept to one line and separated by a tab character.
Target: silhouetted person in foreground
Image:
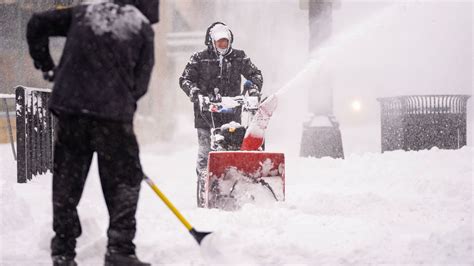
104	69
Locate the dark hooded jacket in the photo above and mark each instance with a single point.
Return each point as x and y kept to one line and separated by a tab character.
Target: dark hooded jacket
106	62
206	72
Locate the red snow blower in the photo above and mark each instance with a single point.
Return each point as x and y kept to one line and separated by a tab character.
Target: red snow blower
239	171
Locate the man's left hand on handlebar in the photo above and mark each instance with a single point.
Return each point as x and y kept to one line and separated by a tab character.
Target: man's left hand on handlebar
251	89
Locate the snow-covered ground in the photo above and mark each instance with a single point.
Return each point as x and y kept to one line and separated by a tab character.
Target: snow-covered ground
396	208
369	209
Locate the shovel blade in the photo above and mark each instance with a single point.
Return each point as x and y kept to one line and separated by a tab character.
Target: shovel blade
198	236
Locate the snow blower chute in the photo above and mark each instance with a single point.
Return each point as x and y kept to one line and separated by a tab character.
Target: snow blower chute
239	171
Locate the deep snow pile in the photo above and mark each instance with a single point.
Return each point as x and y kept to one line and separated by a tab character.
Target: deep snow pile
395	208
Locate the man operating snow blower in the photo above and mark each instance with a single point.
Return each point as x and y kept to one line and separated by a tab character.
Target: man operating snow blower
104	69
216	72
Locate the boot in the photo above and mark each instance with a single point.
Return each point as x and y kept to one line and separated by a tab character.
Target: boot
117	259
63	261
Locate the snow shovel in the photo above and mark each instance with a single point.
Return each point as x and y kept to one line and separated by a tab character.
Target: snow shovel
198	236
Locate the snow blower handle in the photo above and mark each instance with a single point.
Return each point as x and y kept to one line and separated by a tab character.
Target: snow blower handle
228	104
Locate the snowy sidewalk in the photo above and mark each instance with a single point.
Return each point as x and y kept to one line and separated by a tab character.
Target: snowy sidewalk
393	208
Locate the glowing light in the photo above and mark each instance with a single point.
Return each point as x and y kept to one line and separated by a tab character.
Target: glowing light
356	106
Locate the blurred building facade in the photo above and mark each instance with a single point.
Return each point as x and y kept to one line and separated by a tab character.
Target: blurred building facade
261	28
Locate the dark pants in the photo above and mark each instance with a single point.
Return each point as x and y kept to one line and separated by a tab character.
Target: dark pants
77	138
204	141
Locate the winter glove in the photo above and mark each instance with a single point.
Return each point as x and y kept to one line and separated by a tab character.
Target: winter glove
44	65
193	94
251	88
247	85
216	96
49	75
47	68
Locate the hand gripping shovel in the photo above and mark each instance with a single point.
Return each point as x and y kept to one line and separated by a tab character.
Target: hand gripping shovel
198	236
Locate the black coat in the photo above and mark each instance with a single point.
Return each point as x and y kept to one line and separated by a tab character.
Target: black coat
106	63
203	71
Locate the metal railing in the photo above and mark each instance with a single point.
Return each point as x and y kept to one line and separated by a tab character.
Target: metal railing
35	132
423	121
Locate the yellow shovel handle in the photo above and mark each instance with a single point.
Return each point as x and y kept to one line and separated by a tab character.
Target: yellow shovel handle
168	203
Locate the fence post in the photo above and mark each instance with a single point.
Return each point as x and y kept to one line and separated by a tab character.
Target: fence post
20	134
